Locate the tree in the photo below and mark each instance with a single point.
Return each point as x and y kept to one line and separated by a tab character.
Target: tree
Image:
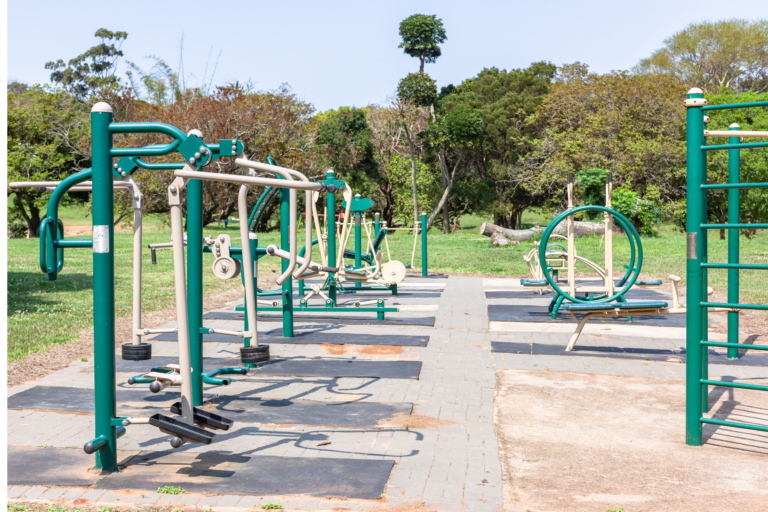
93	71
506	101
455	132
714	55
421	35
47	133
419	89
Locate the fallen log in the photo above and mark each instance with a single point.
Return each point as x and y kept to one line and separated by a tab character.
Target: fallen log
488	229
580	228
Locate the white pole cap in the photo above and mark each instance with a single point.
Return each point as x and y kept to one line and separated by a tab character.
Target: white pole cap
734	125
101	107
195	132
695	90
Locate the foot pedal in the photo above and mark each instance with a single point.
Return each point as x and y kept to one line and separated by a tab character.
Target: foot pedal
183	431
206	418
140	352
254	354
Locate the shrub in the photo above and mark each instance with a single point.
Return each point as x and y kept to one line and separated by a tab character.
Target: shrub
16	227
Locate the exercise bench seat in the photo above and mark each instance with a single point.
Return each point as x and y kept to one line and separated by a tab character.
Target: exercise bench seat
534	282
654	283
606	306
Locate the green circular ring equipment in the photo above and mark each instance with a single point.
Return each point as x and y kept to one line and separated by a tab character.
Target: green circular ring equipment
634	236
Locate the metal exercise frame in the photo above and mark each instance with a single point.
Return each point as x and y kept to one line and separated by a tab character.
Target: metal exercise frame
697	343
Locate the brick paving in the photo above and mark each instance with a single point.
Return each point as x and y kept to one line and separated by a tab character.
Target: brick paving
451	465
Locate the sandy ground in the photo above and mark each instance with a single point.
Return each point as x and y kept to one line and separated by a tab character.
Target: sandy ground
575	442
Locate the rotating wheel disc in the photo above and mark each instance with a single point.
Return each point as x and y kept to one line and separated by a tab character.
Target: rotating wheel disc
634	240
226	268
393	272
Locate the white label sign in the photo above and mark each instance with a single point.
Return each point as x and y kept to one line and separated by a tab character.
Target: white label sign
100	239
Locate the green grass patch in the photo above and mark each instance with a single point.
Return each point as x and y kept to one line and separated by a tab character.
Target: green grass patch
168	489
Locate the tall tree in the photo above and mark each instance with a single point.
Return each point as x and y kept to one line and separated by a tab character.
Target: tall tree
93	71
421	35
714	55
415	94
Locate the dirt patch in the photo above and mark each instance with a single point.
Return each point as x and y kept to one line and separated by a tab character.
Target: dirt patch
414	421
40	364
380	350
573	442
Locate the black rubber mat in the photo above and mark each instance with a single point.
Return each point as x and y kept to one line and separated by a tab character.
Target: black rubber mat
531	294
299	317
505	313
248	409
312	337
250	473
31	465
672	354
330	367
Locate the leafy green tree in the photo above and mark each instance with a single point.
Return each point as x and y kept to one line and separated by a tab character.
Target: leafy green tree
47	132
632	125
344	142
93	71
714	55
506	102
644	214
591	183
418	88
452	135
422	34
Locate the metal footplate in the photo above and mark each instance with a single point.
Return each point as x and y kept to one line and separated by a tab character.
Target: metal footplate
205	418
181	432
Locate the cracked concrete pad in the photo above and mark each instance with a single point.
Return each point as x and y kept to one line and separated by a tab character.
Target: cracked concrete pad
574	442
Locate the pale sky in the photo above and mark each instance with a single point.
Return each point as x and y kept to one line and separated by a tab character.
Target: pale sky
345	53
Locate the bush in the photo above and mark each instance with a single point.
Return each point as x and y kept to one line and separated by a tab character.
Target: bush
644	214
592	184
16	227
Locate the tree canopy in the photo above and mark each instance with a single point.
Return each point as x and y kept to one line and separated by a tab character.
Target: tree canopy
93	70
713	55
422	34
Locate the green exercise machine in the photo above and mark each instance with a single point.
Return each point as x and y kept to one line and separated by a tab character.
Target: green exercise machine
697	226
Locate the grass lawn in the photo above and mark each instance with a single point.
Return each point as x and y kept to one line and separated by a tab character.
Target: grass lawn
41	313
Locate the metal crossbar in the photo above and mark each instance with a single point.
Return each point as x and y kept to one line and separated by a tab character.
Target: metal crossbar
742	266
733	305
735	105
749	426
745	145
733	185
734	226
739	346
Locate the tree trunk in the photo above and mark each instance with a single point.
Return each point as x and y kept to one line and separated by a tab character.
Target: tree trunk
33	217
488	229
413	177
421	67
444	172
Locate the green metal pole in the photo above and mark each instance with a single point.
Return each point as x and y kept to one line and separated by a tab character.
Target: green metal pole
246	324
358	242
285	244
424	271
376	225
703	242
330	202
734	156
103	286
194	213
694	219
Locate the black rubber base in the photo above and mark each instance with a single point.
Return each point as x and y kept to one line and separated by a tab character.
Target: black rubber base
140	352
256	354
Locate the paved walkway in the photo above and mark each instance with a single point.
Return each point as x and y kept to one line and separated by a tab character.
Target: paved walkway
448	456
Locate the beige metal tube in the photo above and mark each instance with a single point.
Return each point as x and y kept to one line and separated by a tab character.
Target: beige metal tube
734	133
137	236
345	231
608	237
182	321
249	264
318	231
249	180
571	244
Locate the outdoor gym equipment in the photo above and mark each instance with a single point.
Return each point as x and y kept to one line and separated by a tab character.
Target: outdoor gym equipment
328	253
697	342
136	350
378	224
193	425
555	259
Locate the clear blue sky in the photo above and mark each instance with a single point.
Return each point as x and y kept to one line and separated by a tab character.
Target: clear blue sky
345	53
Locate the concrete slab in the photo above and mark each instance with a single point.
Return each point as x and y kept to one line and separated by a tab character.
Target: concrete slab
310	337
572	442
334	318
